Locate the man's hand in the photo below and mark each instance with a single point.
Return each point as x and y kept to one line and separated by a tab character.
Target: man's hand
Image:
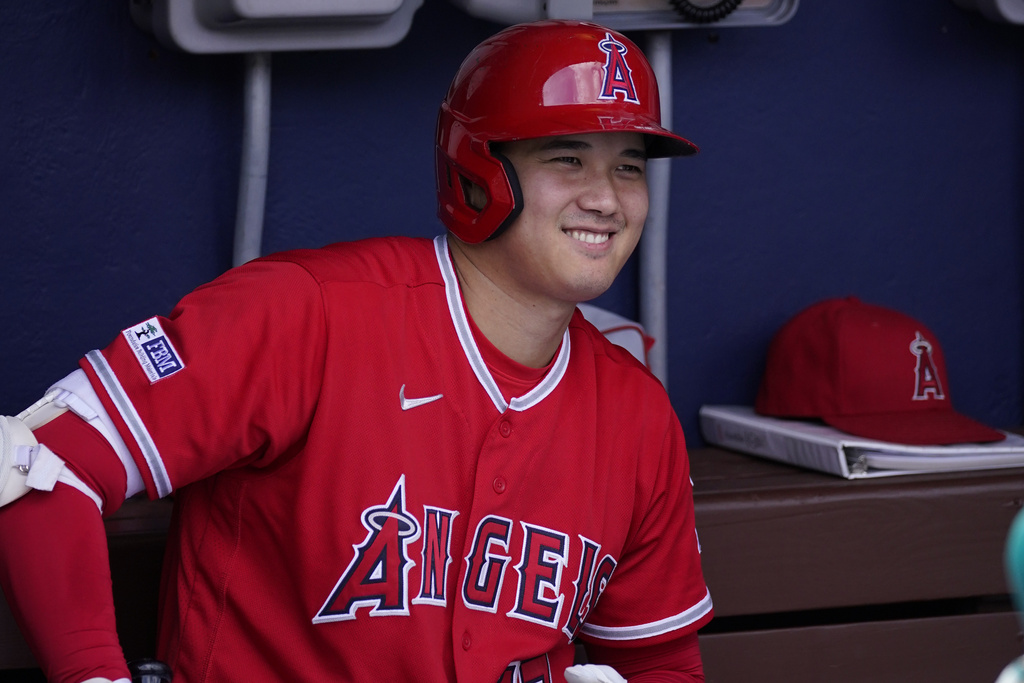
592	673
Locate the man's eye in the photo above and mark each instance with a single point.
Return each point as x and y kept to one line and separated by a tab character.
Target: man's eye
567	160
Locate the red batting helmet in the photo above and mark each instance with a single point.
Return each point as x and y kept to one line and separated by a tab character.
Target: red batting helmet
537	80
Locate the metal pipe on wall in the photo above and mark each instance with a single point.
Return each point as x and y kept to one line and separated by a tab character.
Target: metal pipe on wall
252	182
654	243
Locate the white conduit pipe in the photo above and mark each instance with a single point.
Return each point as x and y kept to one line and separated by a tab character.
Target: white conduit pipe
654	244
252	182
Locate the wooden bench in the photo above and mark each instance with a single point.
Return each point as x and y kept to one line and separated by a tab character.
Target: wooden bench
816	578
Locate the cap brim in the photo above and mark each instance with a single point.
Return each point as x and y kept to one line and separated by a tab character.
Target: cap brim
918	428
667	144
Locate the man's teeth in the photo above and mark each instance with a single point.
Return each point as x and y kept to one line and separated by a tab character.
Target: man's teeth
589	237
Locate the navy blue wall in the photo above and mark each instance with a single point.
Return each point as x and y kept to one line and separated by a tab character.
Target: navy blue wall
869	148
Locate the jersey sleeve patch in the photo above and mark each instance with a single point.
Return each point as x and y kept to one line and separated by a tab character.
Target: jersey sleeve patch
154	350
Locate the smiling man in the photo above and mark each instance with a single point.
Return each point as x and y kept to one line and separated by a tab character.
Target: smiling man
586	210
430	467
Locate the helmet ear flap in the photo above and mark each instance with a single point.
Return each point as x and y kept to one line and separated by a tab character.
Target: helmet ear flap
463	163
517	194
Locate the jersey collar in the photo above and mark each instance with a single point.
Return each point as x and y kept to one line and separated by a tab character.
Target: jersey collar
460	319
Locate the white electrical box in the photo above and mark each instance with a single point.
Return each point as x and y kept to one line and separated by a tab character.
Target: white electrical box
279	11
1004	11
222	26
628	15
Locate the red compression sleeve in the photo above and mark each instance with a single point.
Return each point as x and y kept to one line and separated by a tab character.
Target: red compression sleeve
675	660
89	455
55	573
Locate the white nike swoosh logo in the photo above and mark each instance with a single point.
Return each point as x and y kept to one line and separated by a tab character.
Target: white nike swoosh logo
408	403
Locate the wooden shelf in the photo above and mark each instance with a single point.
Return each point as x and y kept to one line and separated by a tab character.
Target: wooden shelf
812	573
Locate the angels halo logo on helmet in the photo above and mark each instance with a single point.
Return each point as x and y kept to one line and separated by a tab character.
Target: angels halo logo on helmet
535	80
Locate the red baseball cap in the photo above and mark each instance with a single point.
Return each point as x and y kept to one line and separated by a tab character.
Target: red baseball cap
867	370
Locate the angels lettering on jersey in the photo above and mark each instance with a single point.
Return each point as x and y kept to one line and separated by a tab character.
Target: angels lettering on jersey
376	582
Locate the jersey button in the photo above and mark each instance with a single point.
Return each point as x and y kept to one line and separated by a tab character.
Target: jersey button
499	485
505	428
467	642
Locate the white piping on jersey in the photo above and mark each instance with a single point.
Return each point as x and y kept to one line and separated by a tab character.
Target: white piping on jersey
131	418
655	628
461	321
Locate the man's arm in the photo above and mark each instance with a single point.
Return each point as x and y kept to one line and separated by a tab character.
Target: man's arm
54	564
55	573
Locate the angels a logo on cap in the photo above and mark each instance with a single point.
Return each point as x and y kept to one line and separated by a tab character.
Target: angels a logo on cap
927	384
617	74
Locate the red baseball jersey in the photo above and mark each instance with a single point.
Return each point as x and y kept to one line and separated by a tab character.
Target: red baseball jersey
356	500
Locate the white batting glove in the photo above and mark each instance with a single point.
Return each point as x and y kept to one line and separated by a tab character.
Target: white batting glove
1013	673
592	673
106	680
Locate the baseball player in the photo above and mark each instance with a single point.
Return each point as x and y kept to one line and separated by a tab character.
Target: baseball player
397	459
